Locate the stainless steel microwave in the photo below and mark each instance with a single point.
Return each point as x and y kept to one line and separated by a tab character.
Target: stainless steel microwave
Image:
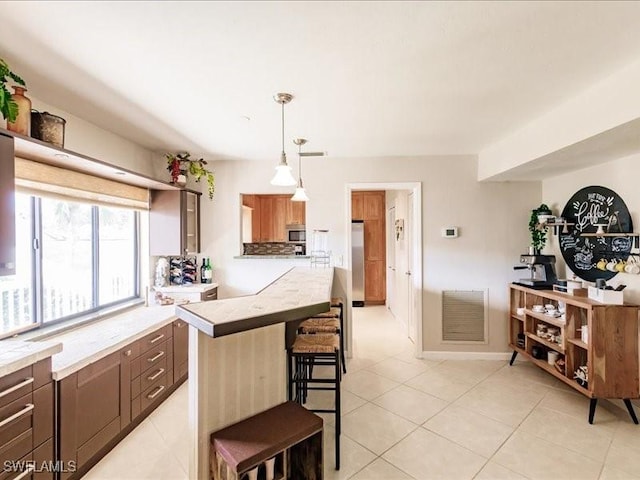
296	234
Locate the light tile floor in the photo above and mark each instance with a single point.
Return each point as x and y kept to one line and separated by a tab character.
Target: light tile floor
406	418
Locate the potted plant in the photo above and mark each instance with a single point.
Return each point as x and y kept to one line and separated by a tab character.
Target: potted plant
538	230
8	105
181	164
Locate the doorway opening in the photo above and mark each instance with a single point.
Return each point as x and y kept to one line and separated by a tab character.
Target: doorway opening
402	235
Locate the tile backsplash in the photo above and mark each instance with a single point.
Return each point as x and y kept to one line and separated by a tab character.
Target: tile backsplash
268	249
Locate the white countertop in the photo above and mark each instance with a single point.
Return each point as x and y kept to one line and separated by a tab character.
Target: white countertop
302	291
17	354
193	288
89	343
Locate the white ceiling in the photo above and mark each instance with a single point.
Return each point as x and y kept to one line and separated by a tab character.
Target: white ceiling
369	78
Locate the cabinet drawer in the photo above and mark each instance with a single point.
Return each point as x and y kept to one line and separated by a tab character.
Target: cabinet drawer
43	455
18	470
15	419
209	295
153	339
147	377
17	448
16	385
43	414
150	358
154	393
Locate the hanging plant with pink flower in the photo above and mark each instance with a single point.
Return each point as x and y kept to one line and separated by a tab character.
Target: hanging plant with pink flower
182	164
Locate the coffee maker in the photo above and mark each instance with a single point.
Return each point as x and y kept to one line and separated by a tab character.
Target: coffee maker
542	268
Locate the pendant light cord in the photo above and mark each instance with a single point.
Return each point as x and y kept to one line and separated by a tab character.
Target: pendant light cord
283	129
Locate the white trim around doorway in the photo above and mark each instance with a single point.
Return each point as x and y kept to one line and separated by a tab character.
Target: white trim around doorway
416	267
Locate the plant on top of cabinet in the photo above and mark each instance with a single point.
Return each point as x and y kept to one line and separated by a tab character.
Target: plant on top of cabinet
182	164
537	230
8	105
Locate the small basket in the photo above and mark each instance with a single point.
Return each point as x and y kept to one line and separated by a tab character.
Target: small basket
48	128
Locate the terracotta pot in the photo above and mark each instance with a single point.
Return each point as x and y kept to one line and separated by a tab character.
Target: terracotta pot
22	125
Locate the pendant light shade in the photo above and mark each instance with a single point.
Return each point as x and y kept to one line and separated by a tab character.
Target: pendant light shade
283	176
301	194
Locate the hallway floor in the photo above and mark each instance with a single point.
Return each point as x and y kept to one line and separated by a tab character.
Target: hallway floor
405	418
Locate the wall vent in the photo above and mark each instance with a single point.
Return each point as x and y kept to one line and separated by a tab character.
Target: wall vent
463	316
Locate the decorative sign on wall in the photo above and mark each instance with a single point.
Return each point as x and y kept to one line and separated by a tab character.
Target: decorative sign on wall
594	210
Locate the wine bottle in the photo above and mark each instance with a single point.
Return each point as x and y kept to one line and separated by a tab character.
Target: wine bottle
203	271
209	271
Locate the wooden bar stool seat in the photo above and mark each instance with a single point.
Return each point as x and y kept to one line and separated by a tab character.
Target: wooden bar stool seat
334	312
337	311
320	325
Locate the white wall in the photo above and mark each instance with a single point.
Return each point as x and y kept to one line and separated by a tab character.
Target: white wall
492	219
617	175
88	139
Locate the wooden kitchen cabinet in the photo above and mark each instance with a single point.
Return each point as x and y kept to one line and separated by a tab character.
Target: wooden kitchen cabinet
253	202
295	213
174	222
369	206
180	349
27	419
7	207
94	405
357	206
271	214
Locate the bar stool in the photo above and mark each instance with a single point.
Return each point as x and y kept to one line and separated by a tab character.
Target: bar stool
309	350
336	311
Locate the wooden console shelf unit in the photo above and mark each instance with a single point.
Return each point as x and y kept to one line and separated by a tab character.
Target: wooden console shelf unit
610	353
288	432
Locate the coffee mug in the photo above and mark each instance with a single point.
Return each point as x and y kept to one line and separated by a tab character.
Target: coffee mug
620	266
632	267
611	266
602	264
552	356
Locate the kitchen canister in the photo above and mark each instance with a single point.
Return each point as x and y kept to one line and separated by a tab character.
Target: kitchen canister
48	128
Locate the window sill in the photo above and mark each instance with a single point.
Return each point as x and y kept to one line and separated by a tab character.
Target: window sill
47	331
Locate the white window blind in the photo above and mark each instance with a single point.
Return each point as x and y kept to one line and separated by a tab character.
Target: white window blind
39	178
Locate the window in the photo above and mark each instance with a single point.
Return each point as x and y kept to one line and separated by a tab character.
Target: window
73	259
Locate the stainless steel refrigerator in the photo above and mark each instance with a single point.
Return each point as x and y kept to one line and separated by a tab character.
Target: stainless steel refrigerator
357	262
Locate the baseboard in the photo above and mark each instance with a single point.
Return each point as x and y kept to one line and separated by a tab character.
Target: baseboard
443	355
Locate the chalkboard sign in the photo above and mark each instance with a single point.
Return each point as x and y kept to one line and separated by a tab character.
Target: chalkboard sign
588	208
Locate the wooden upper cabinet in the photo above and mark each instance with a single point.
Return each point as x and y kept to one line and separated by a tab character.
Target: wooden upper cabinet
357	205
266	218
280	217
295	213
7	207
253	202
174	222
373	205
374	240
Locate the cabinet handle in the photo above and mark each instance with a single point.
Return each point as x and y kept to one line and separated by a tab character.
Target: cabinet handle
179	324
16	387
127	353
27	408
155	357
159	337
157	391
156	375
30	468
8	265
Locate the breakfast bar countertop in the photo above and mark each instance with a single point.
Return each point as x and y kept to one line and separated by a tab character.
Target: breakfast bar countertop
301	292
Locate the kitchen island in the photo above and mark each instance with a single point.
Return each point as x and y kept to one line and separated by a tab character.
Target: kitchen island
237	358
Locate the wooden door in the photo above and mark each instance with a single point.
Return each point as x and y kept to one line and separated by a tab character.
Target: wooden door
357	205
280	217
266	218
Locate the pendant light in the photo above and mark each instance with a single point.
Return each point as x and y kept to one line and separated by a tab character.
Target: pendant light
283	175
301	194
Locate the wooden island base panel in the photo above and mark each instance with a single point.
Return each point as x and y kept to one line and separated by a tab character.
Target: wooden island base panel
610	353
237	355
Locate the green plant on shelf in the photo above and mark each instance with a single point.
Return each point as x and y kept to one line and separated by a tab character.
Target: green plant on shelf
538	231
182	164
8	106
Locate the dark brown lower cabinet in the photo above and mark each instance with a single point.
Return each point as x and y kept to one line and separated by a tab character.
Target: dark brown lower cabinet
101	403
180	349
94	405
27	424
